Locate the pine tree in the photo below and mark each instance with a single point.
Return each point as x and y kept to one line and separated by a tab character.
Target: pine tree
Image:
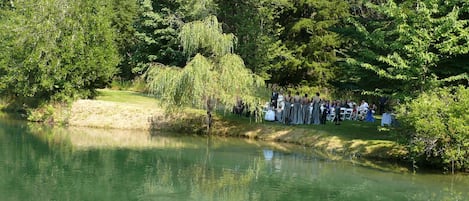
311	42
124	16
157	29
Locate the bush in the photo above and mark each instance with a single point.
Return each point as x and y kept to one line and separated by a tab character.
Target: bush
56	51
44	113
439	125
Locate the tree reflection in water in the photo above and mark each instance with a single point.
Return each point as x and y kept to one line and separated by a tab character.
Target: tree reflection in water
40	163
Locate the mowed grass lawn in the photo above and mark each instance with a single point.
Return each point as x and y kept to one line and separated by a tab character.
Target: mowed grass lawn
356	137
115	109
348	130
127	97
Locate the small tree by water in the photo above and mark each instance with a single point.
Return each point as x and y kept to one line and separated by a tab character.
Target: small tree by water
213	76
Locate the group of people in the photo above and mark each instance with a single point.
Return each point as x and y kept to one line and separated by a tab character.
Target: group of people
298	109
290	109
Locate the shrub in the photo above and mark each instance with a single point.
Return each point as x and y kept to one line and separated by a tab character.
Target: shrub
54	51
44	113
439	125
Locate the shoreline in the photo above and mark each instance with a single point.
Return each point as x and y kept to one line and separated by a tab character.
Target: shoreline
129	116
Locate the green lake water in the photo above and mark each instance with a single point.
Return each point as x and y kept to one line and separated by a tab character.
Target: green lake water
40	163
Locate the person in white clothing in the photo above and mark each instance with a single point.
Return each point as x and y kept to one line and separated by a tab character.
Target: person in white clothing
280	107
362	109
363	106
386	119
270	114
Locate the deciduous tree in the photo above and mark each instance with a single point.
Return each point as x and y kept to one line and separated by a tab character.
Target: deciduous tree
408	44
214	75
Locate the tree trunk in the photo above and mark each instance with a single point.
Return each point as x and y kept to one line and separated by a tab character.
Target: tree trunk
209	119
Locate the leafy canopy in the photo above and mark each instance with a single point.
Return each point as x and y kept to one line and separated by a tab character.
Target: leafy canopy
56	49
214	73
439	126
406	45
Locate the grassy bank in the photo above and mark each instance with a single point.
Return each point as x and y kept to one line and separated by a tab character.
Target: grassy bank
115	109
130	110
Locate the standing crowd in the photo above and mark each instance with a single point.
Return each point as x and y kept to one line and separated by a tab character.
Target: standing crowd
288	109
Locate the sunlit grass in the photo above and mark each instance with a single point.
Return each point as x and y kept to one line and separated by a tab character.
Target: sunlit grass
116	109
127	97
131	110
347	130
355	138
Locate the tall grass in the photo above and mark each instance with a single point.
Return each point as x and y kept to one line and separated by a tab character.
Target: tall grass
137	84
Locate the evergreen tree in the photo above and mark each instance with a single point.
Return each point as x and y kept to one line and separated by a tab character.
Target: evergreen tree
56	49
157	29
254	22
312	43
123	21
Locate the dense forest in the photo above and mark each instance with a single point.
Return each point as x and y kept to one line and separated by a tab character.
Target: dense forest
414	51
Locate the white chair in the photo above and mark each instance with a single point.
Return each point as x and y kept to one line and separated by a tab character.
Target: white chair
348	113
342	113
362	114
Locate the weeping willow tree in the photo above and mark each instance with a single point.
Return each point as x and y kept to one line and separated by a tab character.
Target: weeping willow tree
214	76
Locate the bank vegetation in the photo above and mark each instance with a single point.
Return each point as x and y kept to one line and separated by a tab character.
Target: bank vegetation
54	52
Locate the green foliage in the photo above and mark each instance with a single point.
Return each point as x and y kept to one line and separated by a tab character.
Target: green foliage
310	42
206	37
41	114
120	84
56	49
197	9
156	35
137	84
221	77
254	22
124	16
408	47
439	124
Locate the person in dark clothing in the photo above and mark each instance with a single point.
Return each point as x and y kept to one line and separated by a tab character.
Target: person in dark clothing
324	116
239	107
273	98
337	113
383	101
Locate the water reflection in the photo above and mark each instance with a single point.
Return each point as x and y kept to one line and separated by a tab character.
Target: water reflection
40	163
268	154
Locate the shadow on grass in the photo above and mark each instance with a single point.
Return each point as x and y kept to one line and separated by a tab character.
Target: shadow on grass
350	139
